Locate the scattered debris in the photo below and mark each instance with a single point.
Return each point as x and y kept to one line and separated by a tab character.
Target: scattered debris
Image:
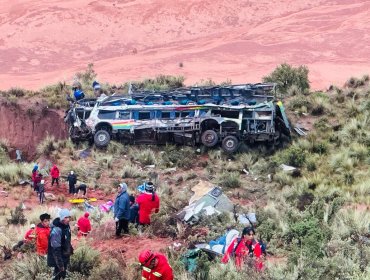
85	153
213	202
300	129
287	168
246	171
169	170
150	166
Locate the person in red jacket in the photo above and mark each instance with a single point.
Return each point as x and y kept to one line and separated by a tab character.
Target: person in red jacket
155	266
42	235
54	173
30	235
244	248
148	202
84	225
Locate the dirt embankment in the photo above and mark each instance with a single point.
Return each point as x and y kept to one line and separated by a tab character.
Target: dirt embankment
25	125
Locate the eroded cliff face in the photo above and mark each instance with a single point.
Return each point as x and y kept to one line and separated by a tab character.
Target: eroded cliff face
25	125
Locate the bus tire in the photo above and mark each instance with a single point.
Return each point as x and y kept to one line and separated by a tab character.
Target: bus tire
209	138
230	144
101	138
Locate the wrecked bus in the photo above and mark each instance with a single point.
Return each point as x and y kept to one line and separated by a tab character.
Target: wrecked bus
192	122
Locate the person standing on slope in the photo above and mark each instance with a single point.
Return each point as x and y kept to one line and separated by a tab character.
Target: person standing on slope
122	210
42	234
148	202
72	180
54	173
59	245
155	266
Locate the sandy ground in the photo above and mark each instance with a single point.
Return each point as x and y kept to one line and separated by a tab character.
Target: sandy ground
44	41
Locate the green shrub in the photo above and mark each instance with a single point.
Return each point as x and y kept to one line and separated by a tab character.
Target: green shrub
131	171
17	216
174	156
229	180
31	267
161	82
294	156
84	260
286	76
145	156
109	269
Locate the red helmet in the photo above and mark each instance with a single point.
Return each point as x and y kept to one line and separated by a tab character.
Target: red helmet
146	256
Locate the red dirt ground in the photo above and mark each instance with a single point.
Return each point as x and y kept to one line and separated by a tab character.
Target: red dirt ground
42	41
130	247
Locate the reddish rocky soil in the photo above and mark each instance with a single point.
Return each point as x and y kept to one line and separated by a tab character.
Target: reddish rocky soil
42	41
24	126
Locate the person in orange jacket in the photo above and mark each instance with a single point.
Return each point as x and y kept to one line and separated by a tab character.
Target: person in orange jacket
155	266
30	235
84	225
244	247
42	234
148	202
54	173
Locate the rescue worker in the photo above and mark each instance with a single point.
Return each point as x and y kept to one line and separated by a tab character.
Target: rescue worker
30	235
72	180
244	247
54	173
155	266
122	210
42	234
59	245
83	188
84	225
148	202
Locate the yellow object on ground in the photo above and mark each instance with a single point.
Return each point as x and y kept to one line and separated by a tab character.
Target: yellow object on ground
82	200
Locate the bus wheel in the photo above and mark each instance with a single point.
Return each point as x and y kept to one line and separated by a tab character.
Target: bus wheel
209	138
101	138
230	144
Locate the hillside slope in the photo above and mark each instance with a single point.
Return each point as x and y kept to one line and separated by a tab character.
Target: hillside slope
44	41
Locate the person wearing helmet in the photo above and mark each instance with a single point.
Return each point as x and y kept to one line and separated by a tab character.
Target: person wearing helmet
42	234
122	210
59	245
244	247
155	266
148	202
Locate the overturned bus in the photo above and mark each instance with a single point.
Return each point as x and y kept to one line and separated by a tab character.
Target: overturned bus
190	123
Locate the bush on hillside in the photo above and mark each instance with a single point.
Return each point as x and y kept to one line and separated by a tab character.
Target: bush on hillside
109	269
286	76
17	216
230	180
161	82
84	260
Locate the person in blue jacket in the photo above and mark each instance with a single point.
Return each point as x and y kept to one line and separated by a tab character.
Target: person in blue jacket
122	210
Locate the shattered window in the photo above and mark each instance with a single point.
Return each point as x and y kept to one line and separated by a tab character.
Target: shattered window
124	115
107	115
144	116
